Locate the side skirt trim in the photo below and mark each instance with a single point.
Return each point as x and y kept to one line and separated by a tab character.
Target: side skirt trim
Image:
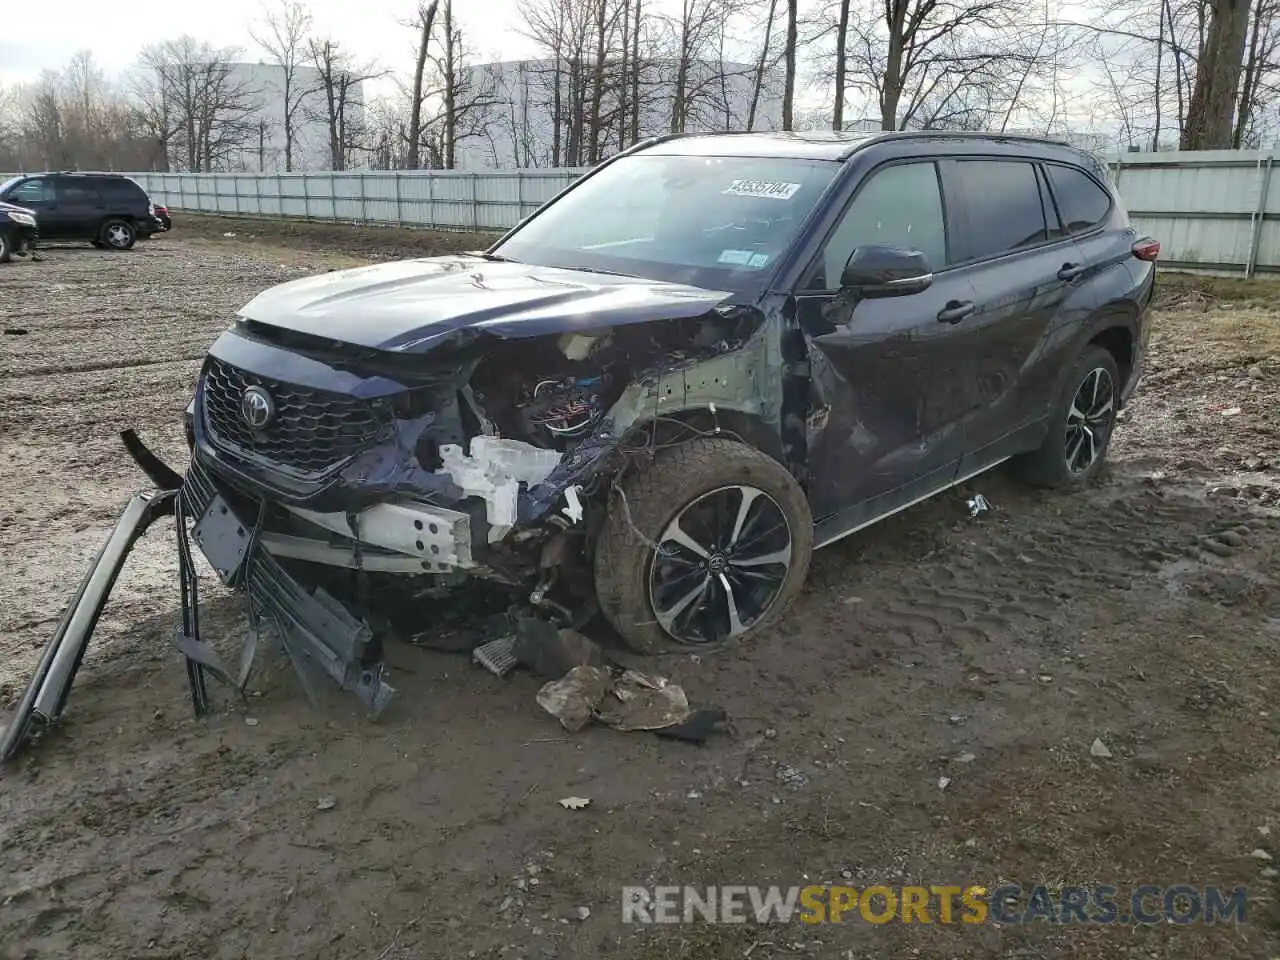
862	525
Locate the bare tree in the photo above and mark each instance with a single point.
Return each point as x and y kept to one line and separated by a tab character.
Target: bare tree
194	90
1212	109
465	108
284	36
342	105
423	24
762	64
789	73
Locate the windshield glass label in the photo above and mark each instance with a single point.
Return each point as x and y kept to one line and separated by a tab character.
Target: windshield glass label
743	258
762	188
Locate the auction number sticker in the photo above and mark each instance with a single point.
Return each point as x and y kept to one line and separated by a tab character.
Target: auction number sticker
769	189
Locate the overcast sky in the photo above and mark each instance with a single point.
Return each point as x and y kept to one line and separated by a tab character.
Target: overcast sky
40	35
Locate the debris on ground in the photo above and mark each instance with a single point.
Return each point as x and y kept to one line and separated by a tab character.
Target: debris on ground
1099	749
326	803
978	504
700	725
643	701
497	656
574	803
574	697
550	651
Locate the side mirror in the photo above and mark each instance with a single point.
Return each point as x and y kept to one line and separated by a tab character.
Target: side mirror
875	272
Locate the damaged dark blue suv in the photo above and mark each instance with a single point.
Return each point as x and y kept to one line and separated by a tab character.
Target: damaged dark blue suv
657	395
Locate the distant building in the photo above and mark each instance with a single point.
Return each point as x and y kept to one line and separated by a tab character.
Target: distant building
264	148
526	106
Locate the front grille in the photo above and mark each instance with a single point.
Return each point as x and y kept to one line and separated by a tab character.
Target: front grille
312	431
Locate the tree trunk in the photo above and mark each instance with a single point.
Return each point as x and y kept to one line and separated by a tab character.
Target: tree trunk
450	88
1260	26
1221	61
891	86
789	81
635	77
842	66
426	16
764	58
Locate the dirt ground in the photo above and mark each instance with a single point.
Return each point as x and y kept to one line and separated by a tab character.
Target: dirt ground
924	714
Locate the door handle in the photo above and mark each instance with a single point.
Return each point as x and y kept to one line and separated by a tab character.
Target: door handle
1070	271
956	310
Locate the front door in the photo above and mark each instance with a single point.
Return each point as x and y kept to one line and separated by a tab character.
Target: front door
885	369
37	195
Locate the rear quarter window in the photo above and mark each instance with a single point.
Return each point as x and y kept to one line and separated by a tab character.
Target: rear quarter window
1082	203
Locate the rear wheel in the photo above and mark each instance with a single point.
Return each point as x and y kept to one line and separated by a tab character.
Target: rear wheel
708	543
118	234
1080	432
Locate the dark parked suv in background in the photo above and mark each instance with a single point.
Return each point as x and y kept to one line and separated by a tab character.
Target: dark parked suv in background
106	209
660	392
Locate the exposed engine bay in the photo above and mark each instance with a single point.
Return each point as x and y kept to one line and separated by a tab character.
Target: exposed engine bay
351	493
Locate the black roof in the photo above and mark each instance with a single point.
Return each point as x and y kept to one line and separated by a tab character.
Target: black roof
815	144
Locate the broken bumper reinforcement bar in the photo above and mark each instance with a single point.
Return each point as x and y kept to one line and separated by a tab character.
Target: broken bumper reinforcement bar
316	630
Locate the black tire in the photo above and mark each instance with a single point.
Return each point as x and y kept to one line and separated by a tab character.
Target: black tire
692	481
1053	466
117	234
6	248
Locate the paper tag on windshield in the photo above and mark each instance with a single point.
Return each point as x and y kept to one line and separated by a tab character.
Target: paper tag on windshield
770	189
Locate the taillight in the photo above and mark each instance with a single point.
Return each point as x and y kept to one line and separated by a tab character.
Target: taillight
1147	249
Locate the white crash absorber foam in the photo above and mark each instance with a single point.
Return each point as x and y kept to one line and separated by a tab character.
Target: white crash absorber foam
494	471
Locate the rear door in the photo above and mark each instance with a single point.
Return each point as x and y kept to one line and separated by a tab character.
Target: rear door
1025	272
80	207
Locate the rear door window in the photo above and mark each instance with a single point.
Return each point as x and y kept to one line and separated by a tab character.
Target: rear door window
1082	203
1005	210
78	194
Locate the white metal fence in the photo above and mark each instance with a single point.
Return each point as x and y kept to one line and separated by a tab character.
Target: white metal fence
439	199
1214	211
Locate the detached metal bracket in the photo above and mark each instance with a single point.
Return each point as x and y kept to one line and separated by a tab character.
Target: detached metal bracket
43	701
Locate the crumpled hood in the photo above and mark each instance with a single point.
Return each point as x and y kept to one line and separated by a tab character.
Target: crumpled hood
411	305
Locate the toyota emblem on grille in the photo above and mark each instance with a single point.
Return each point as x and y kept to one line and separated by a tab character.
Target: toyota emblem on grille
257	408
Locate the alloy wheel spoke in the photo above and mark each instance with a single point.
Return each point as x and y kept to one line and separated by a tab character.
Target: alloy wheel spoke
1074	445
668	616
782	556
677	534
749	495
736	625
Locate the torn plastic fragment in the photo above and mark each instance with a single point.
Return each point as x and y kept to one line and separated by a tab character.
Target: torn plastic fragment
573	698
978	504
494	471
574	509
642	701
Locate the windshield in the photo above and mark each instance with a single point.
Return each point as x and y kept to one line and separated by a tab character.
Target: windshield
4	187
715	222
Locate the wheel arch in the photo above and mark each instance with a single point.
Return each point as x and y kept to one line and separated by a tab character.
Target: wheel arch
1115	329
744	426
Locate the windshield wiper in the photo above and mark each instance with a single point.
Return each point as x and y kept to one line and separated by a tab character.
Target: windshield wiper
611	273
497	258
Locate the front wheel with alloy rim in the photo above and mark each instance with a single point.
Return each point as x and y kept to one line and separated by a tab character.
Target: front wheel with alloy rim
117	234
1082	423
707	544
